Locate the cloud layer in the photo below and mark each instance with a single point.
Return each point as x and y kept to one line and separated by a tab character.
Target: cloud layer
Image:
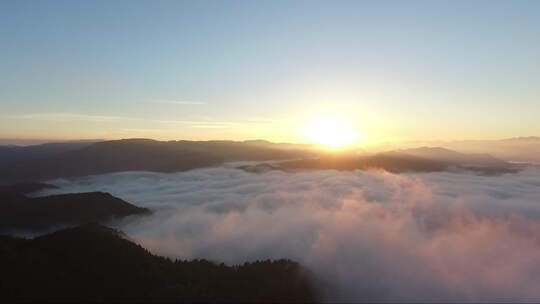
366	235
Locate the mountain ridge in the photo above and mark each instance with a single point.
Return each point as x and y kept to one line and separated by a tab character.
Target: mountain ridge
137	155
94	263
423	159
21	213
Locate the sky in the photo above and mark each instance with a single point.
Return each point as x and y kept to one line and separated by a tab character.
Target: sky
390	70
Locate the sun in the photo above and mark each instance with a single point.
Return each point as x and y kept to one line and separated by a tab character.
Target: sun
332	133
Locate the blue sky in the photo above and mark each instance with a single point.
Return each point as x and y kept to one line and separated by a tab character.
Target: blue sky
260	69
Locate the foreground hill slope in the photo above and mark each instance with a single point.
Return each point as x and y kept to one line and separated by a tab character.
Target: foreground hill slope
18	212
98	264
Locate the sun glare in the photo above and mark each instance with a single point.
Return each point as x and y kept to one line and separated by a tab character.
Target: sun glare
331	133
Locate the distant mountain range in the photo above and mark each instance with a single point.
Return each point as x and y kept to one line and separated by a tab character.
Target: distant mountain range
10	154
49	161
74	159
450	157
425	159
93	263
523	149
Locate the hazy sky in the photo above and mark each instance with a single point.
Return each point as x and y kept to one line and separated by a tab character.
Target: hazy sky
261	69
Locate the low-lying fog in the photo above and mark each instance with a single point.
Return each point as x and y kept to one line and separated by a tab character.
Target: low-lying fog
366	235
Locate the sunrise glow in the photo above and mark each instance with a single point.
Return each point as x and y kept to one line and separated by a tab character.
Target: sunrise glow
332	133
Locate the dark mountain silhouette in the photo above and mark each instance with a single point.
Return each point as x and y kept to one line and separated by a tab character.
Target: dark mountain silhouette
522	139
525	149
10	154
451	157
391	163
522	149
18	212
138	154
25	188
423	159
282	146
260	168
93	263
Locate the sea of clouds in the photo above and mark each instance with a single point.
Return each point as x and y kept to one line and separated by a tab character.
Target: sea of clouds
365	235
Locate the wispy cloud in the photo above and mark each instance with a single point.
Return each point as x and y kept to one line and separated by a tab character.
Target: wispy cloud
201	122
209	126
180	102
259	120
190	123
63	116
